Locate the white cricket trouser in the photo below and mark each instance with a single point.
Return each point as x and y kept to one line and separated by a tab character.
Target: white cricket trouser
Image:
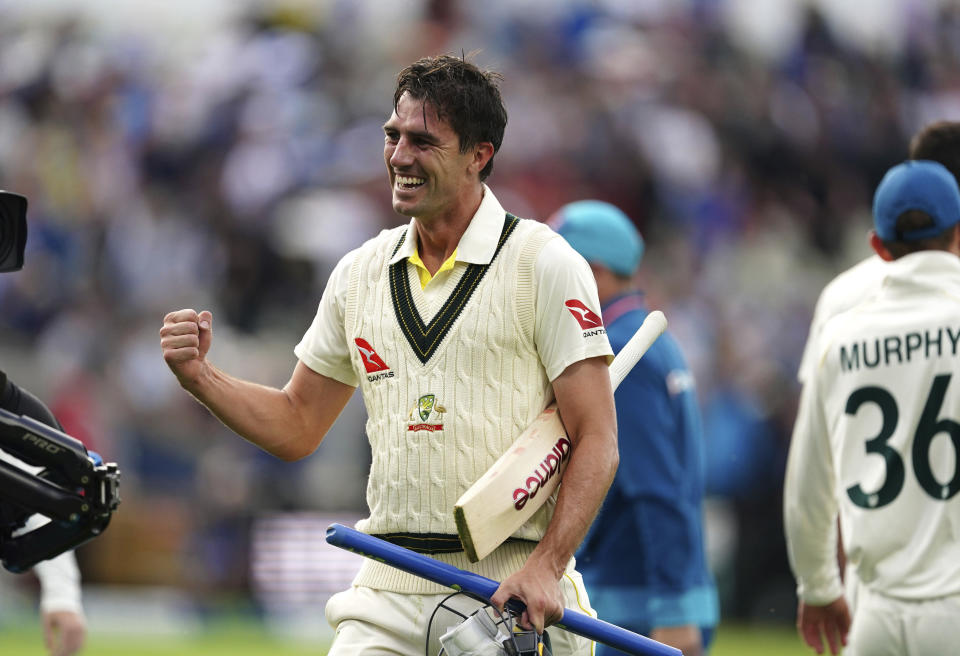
884	626
372	622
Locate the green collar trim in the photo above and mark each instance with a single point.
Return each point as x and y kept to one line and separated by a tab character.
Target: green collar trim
424	339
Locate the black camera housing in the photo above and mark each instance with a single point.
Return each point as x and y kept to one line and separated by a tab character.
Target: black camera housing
13	231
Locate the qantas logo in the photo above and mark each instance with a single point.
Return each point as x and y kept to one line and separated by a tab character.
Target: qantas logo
372	362
587	318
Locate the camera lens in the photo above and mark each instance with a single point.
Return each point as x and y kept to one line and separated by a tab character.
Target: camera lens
13	230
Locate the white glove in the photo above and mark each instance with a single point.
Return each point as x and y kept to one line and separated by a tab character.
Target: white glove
477	635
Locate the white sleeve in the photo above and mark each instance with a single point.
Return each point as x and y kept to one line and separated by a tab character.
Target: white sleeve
847	289
324	346
562	275
59	578
821	313
810	504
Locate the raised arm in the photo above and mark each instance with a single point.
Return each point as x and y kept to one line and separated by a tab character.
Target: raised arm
288	423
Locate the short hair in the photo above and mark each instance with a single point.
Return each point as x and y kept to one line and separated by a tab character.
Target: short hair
939	142
463	95
918	220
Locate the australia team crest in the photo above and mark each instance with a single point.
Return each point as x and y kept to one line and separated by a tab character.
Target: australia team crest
426	414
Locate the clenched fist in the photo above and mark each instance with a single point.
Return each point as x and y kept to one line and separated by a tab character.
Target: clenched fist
185	339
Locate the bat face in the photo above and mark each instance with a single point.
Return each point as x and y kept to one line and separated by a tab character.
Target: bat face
515	486
523	478
548	467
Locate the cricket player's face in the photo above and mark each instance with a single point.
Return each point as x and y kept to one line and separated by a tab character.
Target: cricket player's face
429	176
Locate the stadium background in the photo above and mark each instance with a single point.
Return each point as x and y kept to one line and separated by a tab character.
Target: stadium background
223	155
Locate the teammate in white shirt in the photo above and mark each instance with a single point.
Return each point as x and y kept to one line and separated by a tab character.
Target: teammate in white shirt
61	609
940	142
846	290
877	440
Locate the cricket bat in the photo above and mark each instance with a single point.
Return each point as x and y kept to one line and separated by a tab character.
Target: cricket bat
447	575
525	476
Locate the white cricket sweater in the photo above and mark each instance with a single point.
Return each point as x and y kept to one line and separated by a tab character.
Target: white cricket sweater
452	376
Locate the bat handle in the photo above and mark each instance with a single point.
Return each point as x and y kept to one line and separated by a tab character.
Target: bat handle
652	327
453	577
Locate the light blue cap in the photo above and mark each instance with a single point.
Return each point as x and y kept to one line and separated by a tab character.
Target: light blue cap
601	233
916	185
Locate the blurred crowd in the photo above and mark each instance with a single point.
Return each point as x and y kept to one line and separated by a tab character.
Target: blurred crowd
228	166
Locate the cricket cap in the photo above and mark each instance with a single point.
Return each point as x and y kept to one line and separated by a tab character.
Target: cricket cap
601	233
922	185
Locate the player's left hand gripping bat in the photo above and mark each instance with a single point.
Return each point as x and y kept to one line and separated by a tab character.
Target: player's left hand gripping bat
458	579
525	476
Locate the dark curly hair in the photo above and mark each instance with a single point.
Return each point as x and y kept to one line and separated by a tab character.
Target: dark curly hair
463	95
917	220
939	142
